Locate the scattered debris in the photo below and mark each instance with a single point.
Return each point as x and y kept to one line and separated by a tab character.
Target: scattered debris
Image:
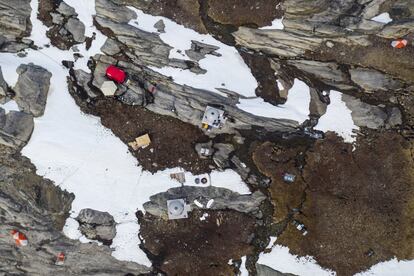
210	203
370	253
204	217
399	44
60	260
116	74
301	227
19	238
109	88
140	142
204	150
315	134
198	203
177	209
201	180
289	178
213	118
180	177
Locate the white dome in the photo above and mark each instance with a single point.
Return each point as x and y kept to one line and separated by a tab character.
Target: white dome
176	207
212	115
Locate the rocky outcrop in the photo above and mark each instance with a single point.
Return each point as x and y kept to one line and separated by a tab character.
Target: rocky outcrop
223	199
96	225
371	116
15	128
15	19
38	209
66	29
371	80
142	50
32	88
335	45
183	102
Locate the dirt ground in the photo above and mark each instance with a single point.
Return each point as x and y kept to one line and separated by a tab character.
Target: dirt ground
195	247
274	161
358	206
172	141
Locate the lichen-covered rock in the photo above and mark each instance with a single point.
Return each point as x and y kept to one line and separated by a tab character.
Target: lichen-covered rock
32	88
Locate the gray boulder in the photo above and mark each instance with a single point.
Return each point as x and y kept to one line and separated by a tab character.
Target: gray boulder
76	28
97	225
15	128
316	107
199	50
160	26
32	88
66	10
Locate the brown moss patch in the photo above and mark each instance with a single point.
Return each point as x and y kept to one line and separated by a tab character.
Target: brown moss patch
356	202
244	12
194	247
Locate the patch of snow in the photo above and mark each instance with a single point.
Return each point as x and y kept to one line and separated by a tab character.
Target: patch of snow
382	18
277	24
280	85
389	268
10	106
126	241
229	69
71	229
296	107
281	260
271	243
243	270
338	118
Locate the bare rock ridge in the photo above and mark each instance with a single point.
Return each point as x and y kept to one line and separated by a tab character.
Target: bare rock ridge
327	42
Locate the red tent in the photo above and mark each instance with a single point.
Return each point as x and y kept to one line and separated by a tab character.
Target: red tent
116	74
